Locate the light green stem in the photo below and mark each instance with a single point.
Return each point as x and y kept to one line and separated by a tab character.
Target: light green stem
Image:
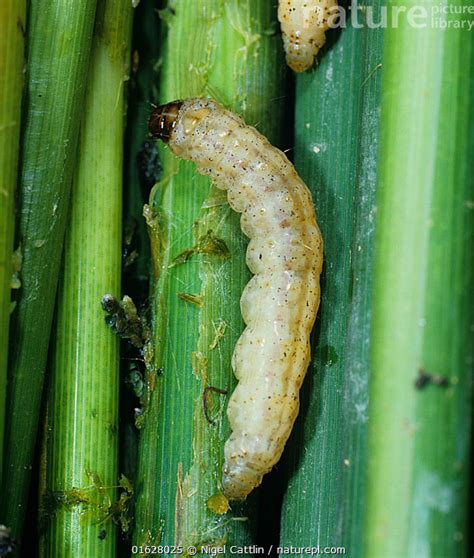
78	507
418	469
59	39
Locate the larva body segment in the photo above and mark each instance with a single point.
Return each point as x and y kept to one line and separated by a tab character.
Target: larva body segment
280	302
304	24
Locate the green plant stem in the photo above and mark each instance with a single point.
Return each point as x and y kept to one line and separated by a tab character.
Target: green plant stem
337	117
418	446
59	38
227	50
12	23
78	509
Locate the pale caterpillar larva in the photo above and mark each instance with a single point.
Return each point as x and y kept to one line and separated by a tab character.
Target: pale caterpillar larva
280	302
304	24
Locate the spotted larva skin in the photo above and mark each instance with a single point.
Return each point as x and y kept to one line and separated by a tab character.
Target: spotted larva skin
304	24
280	302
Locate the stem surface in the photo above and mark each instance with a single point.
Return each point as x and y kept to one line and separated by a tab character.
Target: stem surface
336	133
78	507
59	39
419	437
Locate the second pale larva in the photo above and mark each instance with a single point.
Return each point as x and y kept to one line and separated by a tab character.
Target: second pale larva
304	24
280	302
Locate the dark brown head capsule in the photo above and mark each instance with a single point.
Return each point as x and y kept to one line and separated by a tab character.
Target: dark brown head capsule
163	120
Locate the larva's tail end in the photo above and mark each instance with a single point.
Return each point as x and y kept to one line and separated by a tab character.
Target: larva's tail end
235	490
163	120
239	480
298	66
299	58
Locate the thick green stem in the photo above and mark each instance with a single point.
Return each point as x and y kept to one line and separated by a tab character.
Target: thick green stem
419	434
59	39
12	23
228	50
336	133
78	509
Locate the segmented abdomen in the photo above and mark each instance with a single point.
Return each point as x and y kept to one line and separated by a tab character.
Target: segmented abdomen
280	302
304	24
